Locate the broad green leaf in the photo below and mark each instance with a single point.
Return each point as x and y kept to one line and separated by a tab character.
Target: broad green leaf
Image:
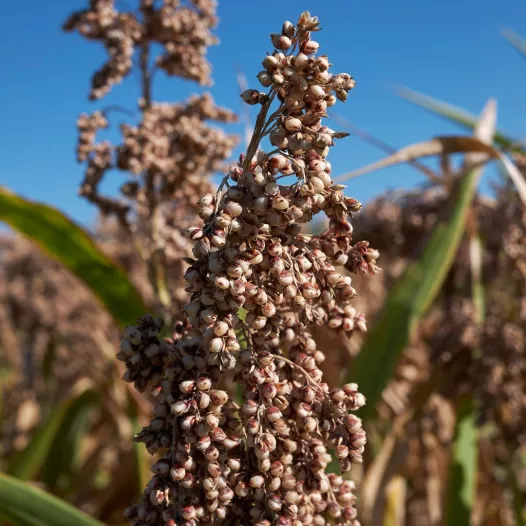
26	464
457	116
65	241
19	518
420	284
463	468
61	461
24	504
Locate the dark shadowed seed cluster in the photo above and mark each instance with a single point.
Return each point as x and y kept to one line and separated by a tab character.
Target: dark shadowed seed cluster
169	154
183	29
257	282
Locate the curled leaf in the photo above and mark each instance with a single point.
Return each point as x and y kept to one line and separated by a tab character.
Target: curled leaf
457	116
417	288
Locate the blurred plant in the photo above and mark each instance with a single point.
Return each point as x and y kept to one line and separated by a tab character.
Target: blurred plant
458	348
452	355
171	152
51	327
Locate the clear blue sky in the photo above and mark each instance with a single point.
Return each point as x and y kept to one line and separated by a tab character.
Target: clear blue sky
450	49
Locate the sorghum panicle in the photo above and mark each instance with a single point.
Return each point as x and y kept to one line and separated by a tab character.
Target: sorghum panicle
183	31
169	154
257	282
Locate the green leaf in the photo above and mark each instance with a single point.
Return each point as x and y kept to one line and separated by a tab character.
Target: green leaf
410	298
27	505
61	461
417	288
463	468
49	437
65	241
457	116
19	518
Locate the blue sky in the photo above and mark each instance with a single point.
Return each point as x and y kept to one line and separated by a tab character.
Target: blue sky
451	50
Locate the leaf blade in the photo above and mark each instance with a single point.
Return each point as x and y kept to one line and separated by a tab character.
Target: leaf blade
443	145
66	242
456	115
64	451
20	500
420	284
463	468
31	460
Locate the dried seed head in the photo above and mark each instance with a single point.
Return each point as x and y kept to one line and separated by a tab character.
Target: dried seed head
253	252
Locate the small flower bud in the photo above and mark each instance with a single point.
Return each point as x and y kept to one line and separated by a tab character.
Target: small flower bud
221	328
204	401
188	481
189	513
293	124
256	481
309	47
177	473
288	29
269	391
179	408
187	386
203	443
241	489
280	203
218	397
188	422
216	345
204	383
270	62
234	209
273	413
265	79
250	96
206	200
274	503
